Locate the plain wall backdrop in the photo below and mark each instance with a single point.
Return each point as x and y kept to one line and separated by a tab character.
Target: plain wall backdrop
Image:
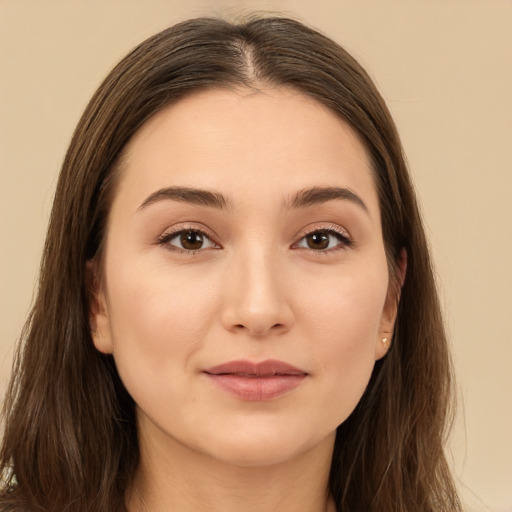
445	70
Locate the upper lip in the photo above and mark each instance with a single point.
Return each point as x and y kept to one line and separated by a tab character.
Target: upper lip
268	368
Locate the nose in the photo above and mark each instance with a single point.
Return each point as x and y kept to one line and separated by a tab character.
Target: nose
257	300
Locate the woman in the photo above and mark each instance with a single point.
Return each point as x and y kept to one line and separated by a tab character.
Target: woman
236	307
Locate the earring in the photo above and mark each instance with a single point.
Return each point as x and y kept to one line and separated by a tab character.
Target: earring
385	342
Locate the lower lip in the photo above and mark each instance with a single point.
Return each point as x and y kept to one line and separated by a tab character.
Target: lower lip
257	388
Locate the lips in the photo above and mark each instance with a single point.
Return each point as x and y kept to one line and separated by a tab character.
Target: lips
256	381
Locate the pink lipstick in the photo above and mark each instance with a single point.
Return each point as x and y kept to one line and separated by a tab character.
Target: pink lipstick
256	381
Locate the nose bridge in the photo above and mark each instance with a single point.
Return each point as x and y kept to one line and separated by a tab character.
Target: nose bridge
257	299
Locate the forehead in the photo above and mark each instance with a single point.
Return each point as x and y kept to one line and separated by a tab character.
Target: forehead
270	142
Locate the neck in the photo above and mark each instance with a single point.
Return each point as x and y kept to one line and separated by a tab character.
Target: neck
182	480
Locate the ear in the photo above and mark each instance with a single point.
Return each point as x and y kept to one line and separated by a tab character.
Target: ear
99	321
390	310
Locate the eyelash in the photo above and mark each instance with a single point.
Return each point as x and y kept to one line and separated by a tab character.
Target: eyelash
343	238
168	236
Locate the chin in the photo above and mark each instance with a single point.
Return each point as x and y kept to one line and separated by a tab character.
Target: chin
266	446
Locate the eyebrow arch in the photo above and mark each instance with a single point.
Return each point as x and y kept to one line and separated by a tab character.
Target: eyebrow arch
317	195
187	195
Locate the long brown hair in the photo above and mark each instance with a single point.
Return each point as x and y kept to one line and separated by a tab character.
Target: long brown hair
70	441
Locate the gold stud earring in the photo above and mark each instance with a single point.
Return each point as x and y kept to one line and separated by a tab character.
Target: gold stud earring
385	342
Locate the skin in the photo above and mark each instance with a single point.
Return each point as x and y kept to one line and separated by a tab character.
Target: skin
255	290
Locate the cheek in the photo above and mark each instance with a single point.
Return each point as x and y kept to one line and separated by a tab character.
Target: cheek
157	322
344	327
347	307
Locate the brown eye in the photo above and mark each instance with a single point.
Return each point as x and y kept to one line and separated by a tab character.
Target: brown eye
187	240
191	240
318	240
324	240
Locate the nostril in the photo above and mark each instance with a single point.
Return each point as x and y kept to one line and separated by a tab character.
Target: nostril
261	330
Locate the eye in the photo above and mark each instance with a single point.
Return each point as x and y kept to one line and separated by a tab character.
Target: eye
187	240
322	240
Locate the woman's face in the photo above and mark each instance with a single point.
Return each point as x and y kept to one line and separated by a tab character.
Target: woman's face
245	288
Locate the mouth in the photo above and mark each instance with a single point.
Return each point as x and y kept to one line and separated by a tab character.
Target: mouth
256	381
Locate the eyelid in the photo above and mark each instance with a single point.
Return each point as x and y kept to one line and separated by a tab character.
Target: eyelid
344	236
174	231
342	233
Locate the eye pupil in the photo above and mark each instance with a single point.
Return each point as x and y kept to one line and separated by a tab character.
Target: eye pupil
318	240
192	240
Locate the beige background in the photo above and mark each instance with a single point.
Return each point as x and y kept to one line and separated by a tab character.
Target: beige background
445	68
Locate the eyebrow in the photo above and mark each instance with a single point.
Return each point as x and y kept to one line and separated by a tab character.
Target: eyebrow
187	195
318	195
301	199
